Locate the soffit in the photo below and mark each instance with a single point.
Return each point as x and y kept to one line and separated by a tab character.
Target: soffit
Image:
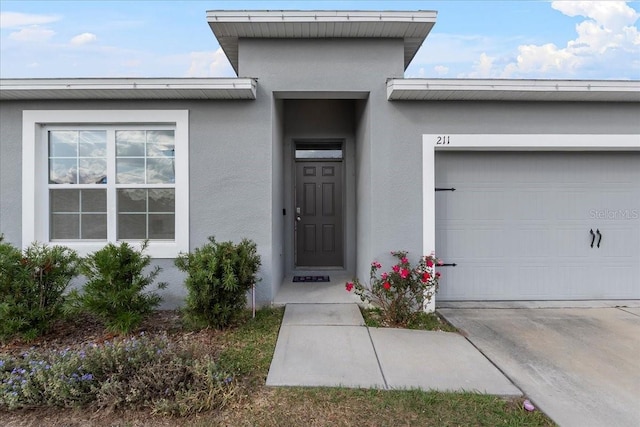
230	26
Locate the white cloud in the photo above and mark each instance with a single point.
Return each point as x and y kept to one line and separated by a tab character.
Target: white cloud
441	70
606	40
610	14
83	38
16	19
483	67
209	64
32	34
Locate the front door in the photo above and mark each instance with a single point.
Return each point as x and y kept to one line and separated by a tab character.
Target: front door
318	213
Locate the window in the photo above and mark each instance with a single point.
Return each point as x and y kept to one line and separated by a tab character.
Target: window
323	150
106	176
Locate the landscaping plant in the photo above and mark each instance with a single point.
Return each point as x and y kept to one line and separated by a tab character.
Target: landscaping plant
115	287
219	275
138	372
401	293
32	286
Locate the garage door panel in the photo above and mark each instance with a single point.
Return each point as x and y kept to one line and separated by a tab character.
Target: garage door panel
476	241
477	278
530	204
618	241
481	203
518	225
570	242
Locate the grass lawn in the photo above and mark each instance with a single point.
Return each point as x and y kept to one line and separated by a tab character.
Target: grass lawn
246	351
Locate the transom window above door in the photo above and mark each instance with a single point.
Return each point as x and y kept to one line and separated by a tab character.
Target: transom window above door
320	150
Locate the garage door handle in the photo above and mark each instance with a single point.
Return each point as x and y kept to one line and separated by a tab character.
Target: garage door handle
599	236
593	237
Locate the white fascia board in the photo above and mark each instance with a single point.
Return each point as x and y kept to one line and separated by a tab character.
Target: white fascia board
245	88
399	89
246	16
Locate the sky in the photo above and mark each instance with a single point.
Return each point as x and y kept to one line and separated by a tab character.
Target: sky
471	39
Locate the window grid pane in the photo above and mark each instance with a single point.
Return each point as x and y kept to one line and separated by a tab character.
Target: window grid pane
78	214
145	157
146	214
77	157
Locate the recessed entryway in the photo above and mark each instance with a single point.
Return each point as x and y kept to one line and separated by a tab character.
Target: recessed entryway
318	225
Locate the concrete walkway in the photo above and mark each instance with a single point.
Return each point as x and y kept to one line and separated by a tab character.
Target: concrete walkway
328	345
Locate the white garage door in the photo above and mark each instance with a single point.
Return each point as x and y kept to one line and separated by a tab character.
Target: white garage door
519	225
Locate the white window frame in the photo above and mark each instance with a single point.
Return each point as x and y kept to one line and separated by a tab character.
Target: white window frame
35	209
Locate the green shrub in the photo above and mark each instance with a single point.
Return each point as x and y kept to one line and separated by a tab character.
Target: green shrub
134	372
115	286
32	286
219	276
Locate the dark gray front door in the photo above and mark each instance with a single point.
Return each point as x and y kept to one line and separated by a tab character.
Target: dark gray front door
318	214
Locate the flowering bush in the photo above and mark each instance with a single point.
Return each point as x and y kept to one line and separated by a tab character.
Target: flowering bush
402	292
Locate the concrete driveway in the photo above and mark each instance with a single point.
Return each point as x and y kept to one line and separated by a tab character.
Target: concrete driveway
581	366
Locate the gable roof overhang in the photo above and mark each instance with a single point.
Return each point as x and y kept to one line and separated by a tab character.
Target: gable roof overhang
513	90
128	88
230	26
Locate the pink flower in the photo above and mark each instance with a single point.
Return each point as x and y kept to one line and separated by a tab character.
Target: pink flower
384	276
429	263
404	273
376	264
349	286
438	274
404	260
425	277
396	268
440	262
386	285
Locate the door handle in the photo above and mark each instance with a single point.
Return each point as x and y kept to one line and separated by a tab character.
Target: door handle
593	236
599	236
298	218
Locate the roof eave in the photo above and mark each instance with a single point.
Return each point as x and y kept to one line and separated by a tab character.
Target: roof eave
513	90
229	26
128	88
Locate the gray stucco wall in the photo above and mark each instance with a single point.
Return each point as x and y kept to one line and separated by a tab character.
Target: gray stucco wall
364	206
324	65
10	172
230	176
277	197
